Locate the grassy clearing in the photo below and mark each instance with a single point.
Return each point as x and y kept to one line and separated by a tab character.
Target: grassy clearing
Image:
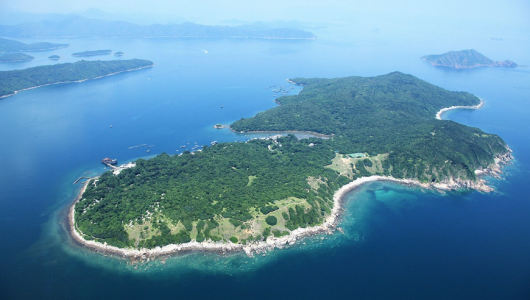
141	232
347	166
343	165
315	183
251	179
226	230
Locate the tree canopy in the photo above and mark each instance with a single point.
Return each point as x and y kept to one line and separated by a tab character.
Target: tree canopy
242	192
16	80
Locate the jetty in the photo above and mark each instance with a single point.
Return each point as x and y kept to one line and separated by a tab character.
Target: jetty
81	178
109	162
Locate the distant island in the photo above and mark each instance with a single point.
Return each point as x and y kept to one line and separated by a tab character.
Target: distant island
92	53
119	53
269	192
54	57
17	80
16	46
15	57
465	59
79	27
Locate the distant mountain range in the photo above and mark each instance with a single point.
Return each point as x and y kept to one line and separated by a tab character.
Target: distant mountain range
79	27
9	16
465	59
16	46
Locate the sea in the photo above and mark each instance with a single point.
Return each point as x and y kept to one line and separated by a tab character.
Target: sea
398	242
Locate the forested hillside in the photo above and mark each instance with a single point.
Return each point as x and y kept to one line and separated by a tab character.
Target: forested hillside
243	192
16	80
393	114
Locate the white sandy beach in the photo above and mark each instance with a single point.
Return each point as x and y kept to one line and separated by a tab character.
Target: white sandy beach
443	110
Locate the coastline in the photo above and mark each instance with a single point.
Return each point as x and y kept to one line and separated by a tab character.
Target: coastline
315	134
75	81
443	110
328	225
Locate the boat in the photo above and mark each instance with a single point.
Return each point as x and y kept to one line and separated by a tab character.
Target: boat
182	146
213	143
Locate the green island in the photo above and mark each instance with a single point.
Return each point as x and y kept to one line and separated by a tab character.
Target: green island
17	80
247	194
92	53
15	57
14	46
465	59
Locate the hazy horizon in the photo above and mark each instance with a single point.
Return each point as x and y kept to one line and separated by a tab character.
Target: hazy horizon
512	15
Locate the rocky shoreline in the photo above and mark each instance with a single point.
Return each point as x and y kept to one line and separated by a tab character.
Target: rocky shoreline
328	226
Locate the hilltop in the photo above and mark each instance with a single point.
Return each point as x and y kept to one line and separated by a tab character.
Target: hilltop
465	59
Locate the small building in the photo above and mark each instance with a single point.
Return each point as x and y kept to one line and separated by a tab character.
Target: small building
357	155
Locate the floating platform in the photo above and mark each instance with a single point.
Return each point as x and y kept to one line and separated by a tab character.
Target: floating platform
109	161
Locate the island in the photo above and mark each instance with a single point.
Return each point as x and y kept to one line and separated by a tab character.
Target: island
54	57
268	192
465	59
17	80
119	53
79	27
15	57
16	46
92	53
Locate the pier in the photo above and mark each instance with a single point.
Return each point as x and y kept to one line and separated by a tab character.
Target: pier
81	178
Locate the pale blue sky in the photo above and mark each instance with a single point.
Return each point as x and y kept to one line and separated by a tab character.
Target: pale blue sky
506	12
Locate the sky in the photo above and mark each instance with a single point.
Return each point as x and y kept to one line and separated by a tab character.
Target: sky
506	12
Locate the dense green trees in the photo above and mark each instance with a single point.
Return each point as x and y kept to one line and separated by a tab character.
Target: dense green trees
271	220
392	113
16	80
237	182
203	185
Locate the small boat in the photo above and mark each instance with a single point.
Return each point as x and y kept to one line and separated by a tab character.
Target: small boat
213	143
182	146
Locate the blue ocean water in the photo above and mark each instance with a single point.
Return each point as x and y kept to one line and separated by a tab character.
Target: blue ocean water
398	242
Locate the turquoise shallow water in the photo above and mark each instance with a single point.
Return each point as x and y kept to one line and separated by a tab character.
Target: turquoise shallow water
398	242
